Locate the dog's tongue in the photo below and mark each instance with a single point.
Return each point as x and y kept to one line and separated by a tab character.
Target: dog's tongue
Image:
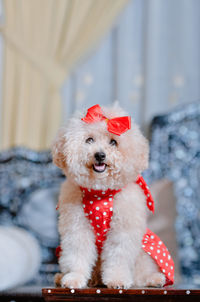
99	167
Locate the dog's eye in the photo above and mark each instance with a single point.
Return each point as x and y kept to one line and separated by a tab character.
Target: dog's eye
113	142
89	140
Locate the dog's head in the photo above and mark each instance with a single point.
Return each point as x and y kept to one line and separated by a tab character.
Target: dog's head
94	158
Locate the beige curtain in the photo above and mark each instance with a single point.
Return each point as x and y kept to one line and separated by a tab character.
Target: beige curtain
44	39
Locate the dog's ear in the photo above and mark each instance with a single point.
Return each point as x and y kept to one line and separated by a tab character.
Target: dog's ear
58	149
143	154
139	148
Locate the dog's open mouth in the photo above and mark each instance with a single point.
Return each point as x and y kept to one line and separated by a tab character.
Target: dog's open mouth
99	168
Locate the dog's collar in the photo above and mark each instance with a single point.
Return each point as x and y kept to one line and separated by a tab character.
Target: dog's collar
91	194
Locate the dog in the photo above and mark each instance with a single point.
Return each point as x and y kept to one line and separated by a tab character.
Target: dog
103	205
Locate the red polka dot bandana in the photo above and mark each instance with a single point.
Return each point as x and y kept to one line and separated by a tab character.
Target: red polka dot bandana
98	207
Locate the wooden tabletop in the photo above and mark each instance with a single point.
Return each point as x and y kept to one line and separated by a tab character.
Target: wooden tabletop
135	294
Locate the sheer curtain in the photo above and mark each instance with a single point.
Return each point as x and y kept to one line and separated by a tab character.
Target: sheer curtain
150	62
43	41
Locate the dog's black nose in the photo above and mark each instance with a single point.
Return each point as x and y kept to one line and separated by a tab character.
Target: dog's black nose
100	156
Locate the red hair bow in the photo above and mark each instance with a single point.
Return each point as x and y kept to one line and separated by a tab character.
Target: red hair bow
117	125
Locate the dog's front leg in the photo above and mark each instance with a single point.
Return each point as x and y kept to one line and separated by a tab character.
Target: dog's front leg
123	243
118	258
78	254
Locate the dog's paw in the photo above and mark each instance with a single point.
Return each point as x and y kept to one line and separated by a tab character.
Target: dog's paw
118	280
119	284
73	280
57	279
156	280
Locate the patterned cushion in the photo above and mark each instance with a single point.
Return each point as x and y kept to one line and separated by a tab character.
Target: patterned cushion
29	187
175	155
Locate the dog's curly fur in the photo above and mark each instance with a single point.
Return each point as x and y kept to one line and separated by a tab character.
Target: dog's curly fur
122	262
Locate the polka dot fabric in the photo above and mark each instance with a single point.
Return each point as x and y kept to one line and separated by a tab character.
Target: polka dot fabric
98	207
150	202
153	246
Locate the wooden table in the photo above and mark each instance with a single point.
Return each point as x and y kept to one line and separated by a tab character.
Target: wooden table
168	294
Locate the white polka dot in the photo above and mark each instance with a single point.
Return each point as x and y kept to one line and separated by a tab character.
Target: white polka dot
140	184
110	199
99	198
163	270
84	205
152	237
166	264
110	195
169	257
147	187
98	234
103	192
158	251
91	202
95	195
151	247
104	213
158	246
169	274
97	217
111	209
161	261
172	267
156	257
90	212
105	203
152	243
150	203
145	241
99	240
143	245
160	242
105	230
104	222
97	208
164	254
149	253
98	226
148	195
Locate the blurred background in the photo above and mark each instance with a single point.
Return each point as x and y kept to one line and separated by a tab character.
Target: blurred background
60	56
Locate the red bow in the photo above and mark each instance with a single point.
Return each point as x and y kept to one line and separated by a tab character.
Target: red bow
116	125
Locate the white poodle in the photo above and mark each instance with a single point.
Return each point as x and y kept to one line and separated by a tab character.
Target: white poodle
102	156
